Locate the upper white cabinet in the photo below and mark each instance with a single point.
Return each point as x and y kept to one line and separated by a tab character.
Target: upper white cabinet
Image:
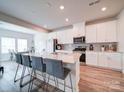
103	32
52	35
91	32
65	36
79	29
111	31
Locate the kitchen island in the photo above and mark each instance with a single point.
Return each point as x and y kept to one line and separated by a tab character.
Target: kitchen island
71	61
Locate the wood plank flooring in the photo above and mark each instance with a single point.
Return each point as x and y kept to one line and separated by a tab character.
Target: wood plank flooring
92	79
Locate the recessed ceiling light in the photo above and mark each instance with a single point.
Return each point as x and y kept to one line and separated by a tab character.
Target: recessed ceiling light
103	9
66	19
61	7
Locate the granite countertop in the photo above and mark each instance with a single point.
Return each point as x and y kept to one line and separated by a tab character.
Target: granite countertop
105	51
69	58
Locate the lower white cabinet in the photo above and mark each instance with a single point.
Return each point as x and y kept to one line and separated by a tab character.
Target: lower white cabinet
114	60
104	59
91	58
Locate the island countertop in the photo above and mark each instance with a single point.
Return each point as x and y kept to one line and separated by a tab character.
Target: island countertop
69	58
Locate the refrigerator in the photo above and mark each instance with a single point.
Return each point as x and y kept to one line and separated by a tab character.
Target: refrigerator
51	45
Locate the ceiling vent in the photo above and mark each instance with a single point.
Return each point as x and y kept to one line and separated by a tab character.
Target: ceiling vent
94	2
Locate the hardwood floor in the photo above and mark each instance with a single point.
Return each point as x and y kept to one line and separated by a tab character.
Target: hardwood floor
102	80
91	80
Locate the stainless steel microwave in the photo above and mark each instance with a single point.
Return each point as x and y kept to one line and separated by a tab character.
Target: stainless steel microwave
77	40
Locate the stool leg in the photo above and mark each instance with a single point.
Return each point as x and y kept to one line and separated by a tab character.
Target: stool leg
48	82
30	80
33	74
23	72
2	70
57	83
16	73
64	85
71	81
44	79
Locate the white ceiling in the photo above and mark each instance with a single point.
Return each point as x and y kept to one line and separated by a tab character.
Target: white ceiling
47	12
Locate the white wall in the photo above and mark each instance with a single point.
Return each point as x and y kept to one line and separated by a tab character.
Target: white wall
121	35
16	35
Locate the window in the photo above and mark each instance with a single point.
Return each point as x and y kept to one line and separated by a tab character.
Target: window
7	44
22	45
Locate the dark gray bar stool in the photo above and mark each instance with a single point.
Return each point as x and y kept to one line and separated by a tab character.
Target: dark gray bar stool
18	59
19	62
26	62
2	69
37	64
56	69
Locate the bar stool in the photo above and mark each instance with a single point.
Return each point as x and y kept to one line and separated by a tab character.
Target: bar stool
19	62
26	62
56	69
37	64
2	69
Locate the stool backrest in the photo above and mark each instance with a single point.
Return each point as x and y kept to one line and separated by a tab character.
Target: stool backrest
54	67
26	60
18	58
37	63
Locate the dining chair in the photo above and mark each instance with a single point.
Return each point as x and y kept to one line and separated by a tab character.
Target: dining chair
56	69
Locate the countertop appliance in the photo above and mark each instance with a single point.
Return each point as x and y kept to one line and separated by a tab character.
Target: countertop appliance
78	40
91	48
58	47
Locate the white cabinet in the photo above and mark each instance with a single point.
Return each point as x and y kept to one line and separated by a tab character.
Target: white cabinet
102	32
114	60
91	58
52	35
65	36
102	60
79	29
60	37
111	31
69	36
106	32
91	32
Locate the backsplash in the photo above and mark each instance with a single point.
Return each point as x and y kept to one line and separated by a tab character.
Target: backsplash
96	46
